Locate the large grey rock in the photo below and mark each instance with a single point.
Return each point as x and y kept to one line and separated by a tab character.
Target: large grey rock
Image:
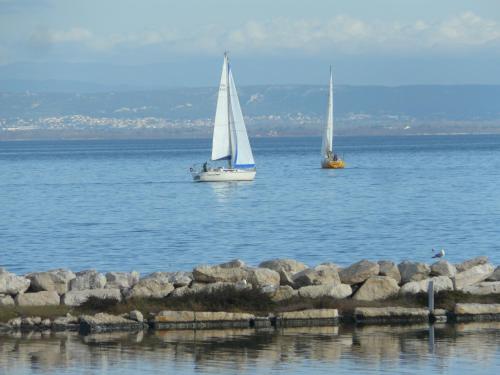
12	284
310	314
15	323
328	266
285	267
218	286
178	279
472	276
391	314
220	273
377	288
495	276
53	280
388	268
181	292
30	323
235	271
284	293
66	323
103	322
262	277
483	288
441	283
468	264
337	291
413	271
443	268
6	300
150	287
79	297
121	280
359	272
88	279
168	316
316	276
43	298
477	309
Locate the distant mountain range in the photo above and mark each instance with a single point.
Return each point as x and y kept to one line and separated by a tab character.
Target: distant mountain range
57	98
269	109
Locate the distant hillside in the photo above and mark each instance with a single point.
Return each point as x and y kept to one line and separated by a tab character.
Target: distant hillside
469	102
269	110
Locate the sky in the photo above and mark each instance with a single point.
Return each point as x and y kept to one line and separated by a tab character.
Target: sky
384	42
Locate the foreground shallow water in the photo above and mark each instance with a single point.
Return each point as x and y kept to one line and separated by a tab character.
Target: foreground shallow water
418	349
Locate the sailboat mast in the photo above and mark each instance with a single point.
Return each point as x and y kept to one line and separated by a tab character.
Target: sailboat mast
226	58
330	108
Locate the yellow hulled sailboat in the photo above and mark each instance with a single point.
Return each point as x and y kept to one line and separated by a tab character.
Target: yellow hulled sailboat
330	159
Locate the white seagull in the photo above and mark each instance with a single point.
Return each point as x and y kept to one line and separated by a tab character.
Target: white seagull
439	254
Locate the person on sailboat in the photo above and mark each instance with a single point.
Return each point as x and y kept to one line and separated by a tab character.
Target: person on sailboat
335	157
205	168
329	155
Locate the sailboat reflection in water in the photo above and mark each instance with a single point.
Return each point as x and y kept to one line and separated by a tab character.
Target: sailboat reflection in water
230	140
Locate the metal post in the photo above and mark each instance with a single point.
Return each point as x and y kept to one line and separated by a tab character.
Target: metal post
430	295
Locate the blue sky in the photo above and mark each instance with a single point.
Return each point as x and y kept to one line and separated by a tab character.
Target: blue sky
368	42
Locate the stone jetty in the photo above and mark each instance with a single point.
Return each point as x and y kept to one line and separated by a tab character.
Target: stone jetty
364	292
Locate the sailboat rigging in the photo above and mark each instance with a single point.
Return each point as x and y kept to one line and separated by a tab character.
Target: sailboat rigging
230	140
330	159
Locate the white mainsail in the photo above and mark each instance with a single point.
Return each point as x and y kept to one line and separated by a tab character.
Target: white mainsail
221	146
327	147
230	139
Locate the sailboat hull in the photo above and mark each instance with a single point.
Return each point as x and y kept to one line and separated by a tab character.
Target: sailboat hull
332	164
224	175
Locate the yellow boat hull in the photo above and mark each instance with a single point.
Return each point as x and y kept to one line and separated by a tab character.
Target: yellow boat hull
333	164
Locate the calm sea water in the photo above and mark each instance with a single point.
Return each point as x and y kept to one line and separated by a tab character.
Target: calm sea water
463	349
122	205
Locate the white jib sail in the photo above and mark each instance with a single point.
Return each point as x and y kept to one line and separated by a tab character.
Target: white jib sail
221	145
327	146
242	152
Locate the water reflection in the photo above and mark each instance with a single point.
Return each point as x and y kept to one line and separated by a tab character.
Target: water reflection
471	347
224	191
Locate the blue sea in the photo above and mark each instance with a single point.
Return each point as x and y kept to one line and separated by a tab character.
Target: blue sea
132	204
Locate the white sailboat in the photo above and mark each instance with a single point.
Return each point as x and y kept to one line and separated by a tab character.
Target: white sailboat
230	140
330	159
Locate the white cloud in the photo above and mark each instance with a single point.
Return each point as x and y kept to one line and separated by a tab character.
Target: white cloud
76	34
468	29
343	33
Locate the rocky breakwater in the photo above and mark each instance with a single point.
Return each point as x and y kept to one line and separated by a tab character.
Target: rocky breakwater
282	282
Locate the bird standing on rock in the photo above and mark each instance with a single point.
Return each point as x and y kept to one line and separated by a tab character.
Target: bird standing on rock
439	254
